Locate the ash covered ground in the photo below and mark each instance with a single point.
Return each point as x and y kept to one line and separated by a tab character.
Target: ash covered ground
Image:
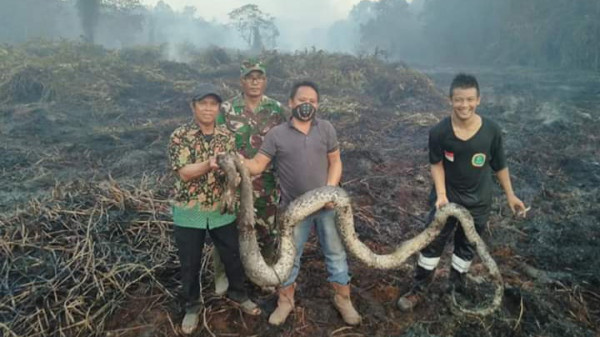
86	237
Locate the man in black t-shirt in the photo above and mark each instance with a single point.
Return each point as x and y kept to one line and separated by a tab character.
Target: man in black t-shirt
464	149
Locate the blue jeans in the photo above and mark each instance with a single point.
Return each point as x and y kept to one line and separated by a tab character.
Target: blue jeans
331	244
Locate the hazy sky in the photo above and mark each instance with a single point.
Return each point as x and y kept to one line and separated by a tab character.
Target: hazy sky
318	12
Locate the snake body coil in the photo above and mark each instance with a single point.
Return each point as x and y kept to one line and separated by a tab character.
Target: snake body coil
262	274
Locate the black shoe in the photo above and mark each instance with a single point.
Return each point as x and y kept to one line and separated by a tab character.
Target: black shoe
458	281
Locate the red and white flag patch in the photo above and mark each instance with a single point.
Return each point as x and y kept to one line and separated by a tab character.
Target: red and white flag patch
449	156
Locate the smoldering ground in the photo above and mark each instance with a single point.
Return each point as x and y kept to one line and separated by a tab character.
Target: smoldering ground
86	234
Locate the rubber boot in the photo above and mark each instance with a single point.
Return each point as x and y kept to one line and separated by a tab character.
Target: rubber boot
342	302
458	281
221	281
190	321
285	305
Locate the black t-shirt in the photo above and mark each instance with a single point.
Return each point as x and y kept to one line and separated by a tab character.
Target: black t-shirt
468	164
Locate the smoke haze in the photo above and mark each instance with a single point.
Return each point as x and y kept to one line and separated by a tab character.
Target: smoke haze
539	33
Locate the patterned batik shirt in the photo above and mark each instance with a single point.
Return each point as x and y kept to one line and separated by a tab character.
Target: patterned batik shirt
197	201
250	128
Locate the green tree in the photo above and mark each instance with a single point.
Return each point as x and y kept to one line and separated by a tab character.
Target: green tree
257	28
464	31
391	29
89	12
123	5
122	20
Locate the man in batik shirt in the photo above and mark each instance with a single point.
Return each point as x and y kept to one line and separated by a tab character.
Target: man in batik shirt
197	200
250	115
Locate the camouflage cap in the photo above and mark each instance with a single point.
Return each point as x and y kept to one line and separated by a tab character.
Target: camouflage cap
251	65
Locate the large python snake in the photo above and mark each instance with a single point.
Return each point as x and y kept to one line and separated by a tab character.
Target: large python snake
263	274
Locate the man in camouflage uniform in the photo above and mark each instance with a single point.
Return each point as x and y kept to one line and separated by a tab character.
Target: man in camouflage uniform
250	115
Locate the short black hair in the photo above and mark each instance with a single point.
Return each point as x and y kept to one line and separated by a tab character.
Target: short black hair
310	84
464	81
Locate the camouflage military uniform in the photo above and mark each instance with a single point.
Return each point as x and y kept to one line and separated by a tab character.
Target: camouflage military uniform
249	128
197	201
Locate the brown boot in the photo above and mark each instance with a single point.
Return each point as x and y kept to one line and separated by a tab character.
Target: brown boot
341	300
285	305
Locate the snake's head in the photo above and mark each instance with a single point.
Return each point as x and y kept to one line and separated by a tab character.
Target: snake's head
222	158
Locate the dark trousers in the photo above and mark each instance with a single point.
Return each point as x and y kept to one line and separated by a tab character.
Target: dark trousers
190	243
462	248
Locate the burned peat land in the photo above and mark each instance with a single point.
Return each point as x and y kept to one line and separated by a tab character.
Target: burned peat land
86	244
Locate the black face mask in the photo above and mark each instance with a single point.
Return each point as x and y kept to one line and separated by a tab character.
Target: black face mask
304	112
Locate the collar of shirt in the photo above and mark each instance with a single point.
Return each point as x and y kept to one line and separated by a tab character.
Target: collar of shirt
194	130
290	122
238	101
